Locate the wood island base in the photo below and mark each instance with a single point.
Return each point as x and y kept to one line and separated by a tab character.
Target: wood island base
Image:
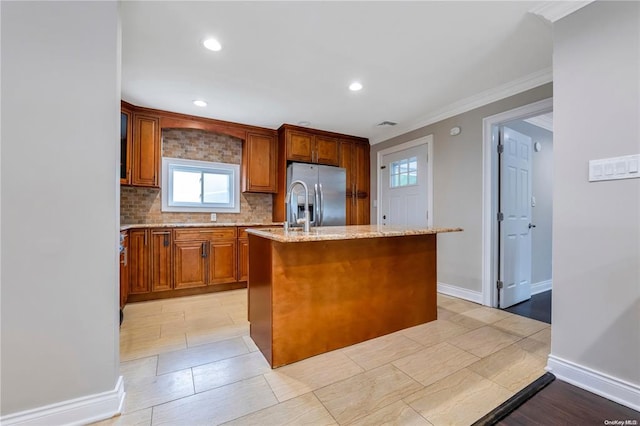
311	297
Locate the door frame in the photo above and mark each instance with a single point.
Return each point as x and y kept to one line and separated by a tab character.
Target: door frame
490	165
425	140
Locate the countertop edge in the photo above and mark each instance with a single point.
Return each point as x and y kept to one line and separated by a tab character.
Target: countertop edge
357	232
195	225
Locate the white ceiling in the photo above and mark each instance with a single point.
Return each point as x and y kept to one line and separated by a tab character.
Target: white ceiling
288	62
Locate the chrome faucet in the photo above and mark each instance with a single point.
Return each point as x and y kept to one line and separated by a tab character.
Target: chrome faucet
305	220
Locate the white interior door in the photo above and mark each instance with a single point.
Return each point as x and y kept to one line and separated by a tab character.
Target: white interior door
515	228
404	187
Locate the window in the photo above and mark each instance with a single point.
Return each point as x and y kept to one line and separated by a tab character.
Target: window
404	172
200	186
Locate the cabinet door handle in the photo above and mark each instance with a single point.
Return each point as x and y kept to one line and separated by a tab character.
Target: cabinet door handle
204	252
166	240
145	237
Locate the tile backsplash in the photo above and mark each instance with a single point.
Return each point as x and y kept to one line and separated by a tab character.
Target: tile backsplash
143	205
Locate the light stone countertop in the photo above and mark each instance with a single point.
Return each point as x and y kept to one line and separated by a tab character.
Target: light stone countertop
194	225
327	233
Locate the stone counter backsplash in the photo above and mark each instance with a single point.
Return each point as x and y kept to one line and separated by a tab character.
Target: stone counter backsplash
143	205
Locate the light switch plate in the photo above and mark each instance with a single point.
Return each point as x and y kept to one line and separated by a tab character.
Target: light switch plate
614	168
214	217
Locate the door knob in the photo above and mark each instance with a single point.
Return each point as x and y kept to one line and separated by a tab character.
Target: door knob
531	226
384	216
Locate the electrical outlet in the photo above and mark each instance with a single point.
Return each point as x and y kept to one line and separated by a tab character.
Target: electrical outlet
214	217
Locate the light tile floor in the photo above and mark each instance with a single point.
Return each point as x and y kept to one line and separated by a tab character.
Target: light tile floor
190	361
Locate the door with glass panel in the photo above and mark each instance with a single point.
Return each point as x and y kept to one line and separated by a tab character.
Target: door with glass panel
404	188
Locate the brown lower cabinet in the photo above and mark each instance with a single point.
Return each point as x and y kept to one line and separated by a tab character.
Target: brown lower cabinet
190	268
124	268
139	261
204	256
243	252
160	260
179	261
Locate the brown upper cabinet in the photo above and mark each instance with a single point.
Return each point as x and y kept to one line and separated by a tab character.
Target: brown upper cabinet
146	151
141	147
317	146
354	157
126	126
308	147
259	163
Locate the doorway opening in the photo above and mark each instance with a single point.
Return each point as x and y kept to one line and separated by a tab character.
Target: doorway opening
517	205
405	184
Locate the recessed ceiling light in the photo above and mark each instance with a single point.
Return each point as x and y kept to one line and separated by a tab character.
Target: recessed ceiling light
304	123
212	44
199	103
355	86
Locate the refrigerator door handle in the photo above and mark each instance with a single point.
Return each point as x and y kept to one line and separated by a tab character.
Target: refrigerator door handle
321	208
316	205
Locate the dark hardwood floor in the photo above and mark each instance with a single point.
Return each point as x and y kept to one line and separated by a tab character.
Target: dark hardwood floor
560	403
538	307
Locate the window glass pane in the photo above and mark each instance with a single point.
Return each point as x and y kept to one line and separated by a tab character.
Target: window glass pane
186	186
216	188
413	178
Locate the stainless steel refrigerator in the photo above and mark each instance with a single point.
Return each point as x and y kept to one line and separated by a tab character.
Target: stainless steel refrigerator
327	194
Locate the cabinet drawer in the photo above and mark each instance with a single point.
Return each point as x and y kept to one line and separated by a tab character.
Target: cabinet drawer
204	233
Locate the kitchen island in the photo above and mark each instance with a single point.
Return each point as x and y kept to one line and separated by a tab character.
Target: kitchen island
332	287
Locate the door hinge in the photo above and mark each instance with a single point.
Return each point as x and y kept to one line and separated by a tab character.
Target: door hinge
500	217
500	148
500	285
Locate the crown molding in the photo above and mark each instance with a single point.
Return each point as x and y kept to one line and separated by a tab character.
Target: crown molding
553	11
483	98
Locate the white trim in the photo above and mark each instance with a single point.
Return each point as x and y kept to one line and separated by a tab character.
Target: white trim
460	293
78	411
540	287
472	102
489	192
620	391
428	140
553	11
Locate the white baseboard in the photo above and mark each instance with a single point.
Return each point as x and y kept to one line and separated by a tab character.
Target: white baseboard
459	292
609	387
540	286
79	411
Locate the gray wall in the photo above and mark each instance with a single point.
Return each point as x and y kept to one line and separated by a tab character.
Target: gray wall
542	189
457	186
596	244
60	124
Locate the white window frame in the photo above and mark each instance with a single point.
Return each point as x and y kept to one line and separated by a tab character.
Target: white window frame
203	166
